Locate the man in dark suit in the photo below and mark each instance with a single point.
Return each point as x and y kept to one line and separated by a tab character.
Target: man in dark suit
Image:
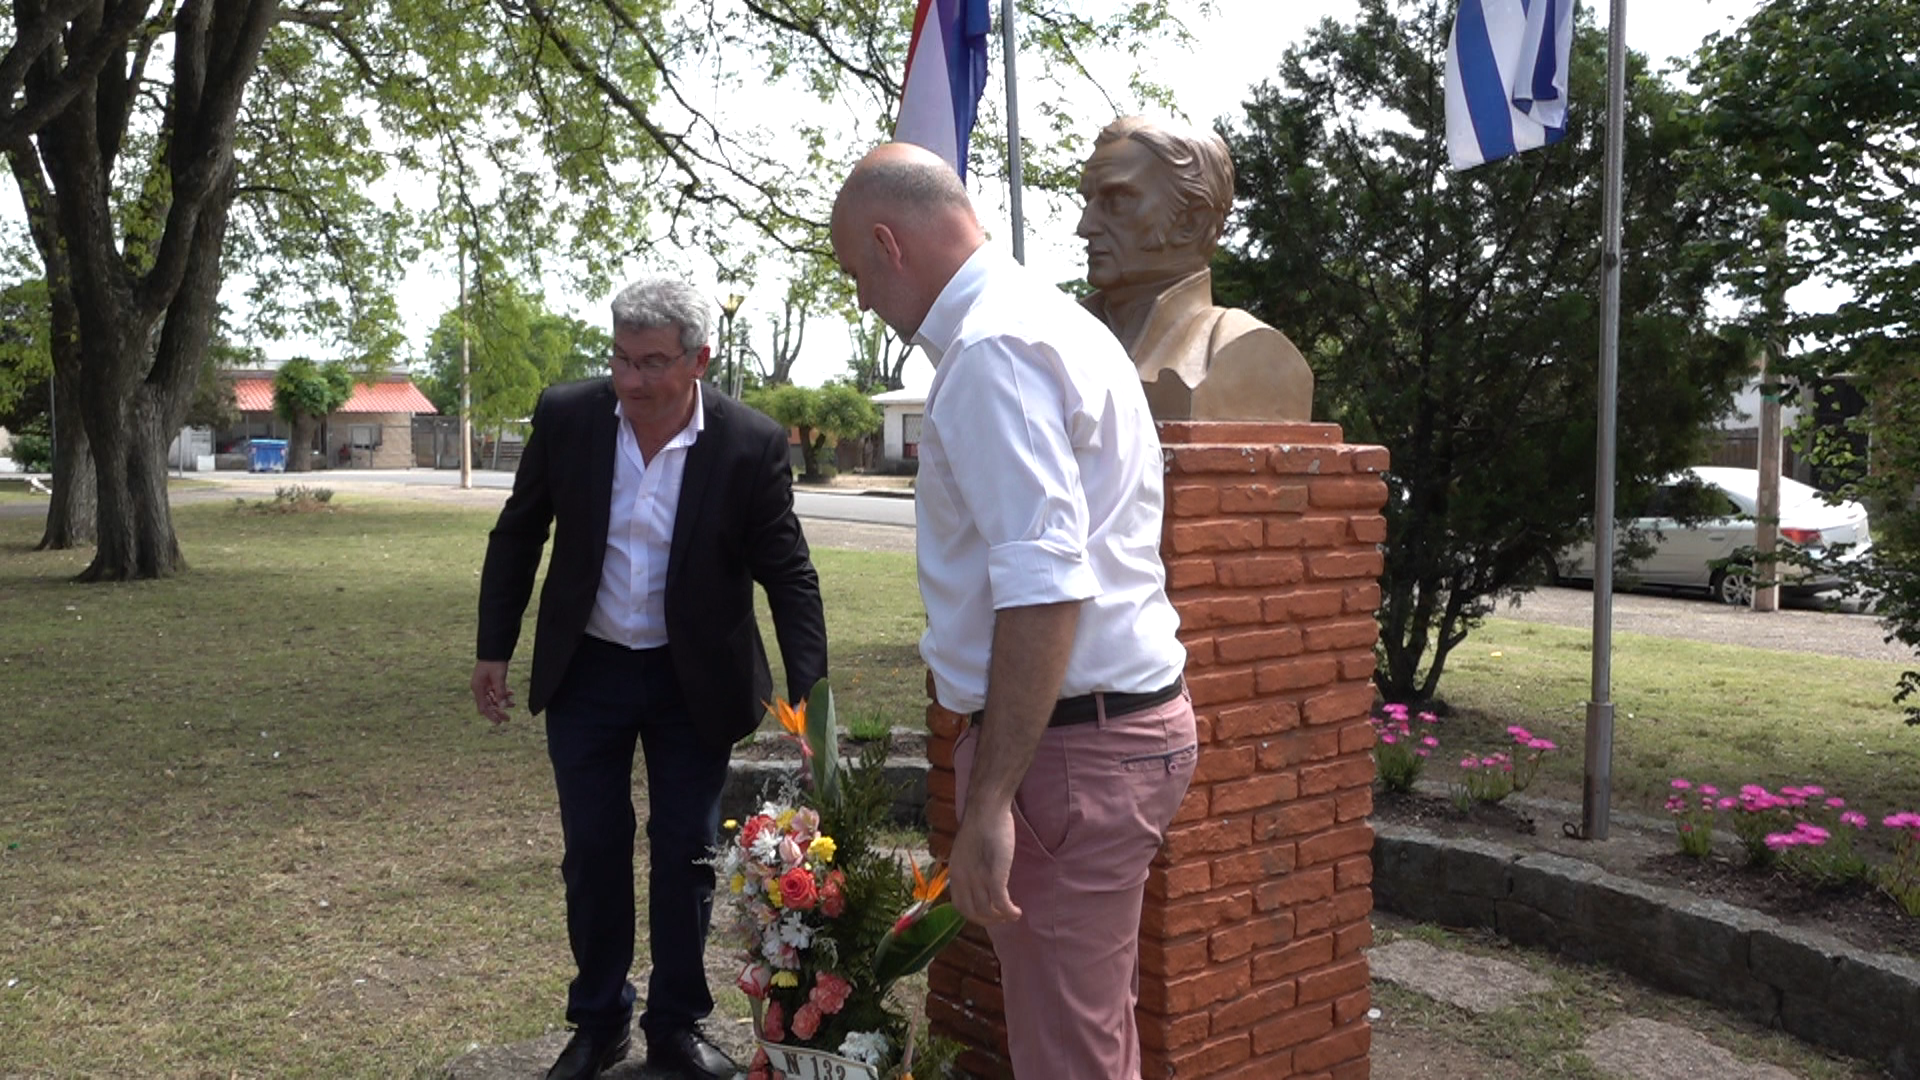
668	501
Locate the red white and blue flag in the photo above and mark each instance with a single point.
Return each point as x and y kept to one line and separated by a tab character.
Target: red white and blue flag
946	74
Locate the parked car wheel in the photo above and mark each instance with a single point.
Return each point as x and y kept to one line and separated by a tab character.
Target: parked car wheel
1551	566
1733	585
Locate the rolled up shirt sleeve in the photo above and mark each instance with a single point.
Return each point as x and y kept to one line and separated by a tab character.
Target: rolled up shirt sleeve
1021	478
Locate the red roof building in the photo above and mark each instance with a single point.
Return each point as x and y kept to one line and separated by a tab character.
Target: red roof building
374	429
393	395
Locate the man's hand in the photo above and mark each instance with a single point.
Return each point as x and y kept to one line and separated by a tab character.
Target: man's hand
490	693
981	860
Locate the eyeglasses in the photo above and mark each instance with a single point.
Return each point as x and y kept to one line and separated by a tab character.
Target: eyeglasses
651	364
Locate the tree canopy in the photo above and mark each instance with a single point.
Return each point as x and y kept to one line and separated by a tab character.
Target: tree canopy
516	348
312	149
836	411
304	393
1454	317
1812	109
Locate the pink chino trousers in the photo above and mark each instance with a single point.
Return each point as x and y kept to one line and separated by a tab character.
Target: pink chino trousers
1088	820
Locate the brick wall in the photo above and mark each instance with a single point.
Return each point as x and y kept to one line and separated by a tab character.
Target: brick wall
1257	907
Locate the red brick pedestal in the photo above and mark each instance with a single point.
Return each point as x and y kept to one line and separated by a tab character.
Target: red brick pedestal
1257	907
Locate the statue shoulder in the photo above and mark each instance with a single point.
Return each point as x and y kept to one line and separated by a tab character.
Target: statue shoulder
1237	333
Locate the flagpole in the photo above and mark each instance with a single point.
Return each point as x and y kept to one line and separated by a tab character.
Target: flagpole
1597	792
1014	175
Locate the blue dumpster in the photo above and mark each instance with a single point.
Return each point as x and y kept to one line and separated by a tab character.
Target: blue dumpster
267	455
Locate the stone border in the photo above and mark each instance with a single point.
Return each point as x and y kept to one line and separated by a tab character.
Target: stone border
751	780
1811	985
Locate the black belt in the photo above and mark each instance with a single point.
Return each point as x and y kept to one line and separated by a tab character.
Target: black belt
1085	708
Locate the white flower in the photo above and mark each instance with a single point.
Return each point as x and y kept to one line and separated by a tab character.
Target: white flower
794	932
866	1047
766	847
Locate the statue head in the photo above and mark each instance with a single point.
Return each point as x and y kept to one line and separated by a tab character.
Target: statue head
1157	195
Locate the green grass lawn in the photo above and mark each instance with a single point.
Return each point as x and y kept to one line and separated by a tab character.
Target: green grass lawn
1722	714
250	823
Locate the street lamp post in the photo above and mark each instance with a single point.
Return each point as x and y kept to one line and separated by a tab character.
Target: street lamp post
730	369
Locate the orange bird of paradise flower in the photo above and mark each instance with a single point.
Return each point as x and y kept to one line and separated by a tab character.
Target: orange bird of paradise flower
926	891
794	719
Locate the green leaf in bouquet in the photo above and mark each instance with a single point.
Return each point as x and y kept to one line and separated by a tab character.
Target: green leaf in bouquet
823	739
914	946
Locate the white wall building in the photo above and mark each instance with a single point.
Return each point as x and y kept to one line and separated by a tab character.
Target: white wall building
901	411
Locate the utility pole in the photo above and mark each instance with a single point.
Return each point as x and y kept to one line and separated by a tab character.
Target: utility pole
1766	526
1766	511
466	383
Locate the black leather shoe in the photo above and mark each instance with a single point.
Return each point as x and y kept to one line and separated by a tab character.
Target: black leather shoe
589	1053
688	1054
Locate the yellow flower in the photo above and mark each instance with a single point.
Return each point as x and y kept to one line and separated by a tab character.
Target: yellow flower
785	819
822	848
792	717
738	884
773	892
730	824
785	978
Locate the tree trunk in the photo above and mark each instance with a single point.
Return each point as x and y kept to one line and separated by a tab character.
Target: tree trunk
143	311
809	469
130	434
70	516
300	445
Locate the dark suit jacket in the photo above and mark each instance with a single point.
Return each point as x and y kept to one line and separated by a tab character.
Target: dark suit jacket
734	526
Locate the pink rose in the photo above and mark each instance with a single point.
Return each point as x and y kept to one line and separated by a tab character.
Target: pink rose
806	1021
830	993
773	1027
797	889
833	898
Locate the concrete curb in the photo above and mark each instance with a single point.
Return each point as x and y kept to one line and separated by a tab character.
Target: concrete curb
751	782
1811	985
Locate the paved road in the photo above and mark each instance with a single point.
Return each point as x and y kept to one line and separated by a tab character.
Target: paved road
1800	630
879	523
872	522
490	486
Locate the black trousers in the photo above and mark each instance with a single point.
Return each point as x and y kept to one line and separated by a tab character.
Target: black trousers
610	698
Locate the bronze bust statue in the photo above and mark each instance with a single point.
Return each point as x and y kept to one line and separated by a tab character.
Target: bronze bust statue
1157	196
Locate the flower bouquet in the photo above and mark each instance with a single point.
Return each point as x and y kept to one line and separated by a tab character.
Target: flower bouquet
828	921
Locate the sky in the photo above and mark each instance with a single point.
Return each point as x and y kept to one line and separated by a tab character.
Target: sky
1238	46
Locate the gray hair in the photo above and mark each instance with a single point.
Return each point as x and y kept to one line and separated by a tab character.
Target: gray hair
1201	168
654	302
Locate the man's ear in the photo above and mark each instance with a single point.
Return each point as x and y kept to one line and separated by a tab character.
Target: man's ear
889	244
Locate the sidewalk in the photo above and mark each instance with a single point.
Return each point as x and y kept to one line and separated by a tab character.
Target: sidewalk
1471	1007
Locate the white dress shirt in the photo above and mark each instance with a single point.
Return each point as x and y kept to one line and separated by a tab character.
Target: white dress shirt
1040	482
631	607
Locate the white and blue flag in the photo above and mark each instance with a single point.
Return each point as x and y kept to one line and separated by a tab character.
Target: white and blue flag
1507	78
946	74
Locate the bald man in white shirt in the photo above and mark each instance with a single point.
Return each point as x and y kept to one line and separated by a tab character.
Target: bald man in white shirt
1039	512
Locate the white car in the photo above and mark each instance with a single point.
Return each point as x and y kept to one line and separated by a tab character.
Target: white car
1710	554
